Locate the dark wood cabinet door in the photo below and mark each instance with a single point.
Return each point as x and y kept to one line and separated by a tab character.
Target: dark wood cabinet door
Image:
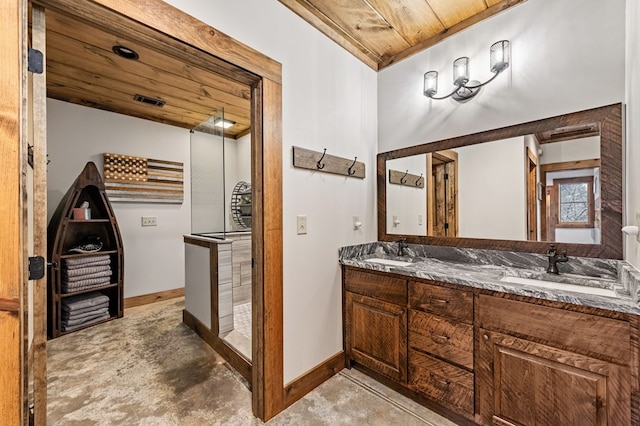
520	382
376	335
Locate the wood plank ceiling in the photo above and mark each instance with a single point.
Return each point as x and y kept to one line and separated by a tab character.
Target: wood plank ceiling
382	32
83	69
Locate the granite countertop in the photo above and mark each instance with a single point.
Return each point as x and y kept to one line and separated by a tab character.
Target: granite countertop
608	284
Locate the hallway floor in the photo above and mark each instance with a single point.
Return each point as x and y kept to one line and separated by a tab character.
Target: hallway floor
149	369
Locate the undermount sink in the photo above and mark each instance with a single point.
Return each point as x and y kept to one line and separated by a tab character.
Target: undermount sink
560	286
390	262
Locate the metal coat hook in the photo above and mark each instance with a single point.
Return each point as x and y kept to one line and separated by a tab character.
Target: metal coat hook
350	169
402	179
319	163
418	180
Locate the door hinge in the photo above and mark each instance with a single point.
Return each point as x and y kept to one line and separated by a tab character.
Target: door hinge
36	267
446	176
446	226
35	61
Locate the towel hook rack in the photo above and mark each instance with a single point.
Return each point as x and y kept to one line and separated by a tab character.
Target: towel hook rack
319	163
350	169
402	179
418	180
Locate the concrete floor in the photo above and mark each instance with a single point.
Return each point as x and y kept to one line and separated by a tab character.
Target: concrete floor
149	369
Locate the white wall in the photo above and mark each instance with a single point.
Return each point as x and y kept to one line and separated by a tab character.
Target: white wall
329	101
407	203
492	199
154	256
567	55
632	97
572	150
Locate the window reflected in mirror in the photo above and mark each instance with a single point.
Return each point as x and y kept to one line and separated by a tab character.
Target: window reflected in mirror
536	187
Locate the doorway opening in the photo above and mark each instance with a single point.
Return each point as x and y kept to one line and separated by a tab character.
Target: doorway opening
162	28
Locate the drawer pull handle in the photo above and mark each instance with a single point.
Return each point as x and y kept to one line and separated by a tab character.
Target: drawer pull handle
436	300
485	337
440	381
440	337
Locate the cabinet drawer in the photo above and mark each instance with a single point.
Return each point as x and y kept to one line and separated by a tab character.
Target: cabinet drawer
382	287
585	333
441	301
439	336
444	383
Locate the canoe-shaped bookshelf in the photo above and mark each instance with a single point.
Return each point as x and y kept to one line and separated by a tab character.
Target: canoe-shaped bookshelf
85	281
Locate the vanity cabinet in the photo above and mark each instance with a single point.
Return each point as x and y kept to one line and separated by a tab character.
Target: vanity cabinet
376	323
493	358
441	345
538	365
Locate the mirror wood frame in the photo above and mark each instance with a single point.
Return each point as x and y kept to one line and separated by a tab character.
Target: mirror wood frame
610	119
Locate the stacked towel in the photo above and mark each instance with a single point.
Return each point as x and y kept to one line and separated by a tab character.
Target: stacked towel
83	273
84	309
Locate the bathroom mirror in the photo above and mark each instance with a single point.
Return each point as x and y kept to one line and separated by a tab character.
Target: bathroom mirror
519	188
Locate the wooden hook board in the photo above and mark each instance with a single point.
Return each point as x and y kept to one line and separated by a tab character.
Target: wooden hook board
407	179
307	159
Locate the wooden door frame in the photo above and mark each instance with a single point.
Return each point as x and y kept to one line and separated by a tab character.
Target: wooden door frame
532	204
266	110
13	24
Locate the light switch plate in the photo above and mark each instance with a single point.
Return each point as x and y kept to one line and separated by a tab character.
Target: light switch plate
356	222
149	221
301	221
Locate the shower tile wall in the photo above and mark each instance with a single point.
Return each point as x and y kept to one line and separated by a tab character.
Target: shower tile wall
241	268
225	305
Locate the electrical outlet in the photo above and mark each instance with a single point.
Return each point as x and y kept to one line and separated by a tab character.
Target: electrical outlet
301	221
149	221
419	220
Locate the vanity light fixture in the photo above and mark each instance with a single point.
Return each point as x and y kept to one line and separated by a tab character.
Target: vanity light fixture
499	57
225	124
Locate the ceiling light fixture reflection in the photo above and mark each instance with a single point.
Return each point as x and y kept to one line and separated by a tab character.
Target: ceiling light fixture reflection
225	124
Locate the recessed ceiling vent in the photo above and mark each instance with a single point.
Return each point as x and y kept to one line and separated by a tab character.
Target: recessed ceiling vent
148	100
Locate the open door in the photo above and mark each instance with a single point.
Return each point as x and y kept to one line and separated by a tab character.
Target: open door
24	216
35	192
12	45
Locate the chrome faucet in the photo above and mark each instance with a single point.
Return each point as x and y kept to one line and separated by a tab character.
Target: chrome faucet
554	258
402	244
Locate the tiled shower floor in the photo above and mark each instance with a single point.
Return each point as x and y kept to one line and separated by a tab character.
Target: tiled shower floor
240	336
242	319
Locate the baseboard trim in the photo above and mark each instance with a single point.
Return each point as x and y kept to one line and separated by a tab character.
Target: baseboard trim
146	299
229	354
313	378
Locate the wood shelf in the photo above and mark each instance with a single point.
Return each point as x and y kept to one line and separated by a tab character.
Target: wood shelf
77	255
89	290
111	318
64	233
